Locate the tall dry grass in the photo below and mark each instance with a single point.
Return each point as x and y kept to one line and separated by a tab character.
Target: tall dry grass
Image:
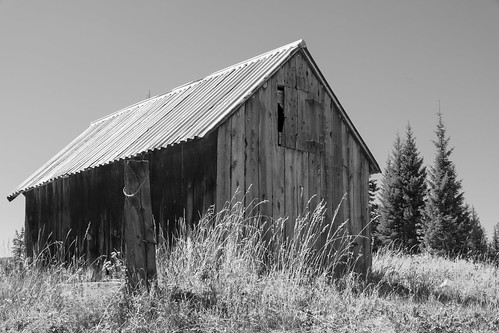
426	277
228	274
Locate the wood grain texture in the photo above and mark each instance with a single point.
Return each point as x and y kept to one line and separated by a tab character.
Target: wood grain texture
237	164
140	231
223	166
253	111
290	193
268	140
290	117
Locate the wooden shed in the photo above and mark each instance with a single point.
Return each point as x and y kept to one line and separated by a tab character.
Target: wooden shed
271	122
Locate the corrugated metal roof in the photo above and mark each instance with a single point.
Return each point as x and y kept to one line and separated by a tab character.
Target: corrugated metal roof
187	112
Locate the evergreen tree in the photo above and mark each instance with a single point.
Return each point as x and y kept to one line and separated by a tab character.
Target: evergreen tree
413	174
389	229
494	245
18	247
374	213
402	195
477	242
445	226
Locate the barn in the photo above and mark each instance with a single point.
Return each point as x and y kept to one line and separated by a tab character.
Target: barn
271	122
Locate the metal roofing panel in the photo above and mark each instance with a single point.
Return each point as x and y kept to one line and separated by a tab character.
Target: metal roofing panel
187	112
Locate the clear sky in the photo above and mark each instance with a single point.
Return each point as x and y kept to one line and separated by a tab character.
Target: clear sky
64	64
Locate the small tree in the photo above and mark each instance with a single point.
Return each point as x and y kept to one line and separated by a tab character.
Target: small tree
477	241
494	244
374	213
18	246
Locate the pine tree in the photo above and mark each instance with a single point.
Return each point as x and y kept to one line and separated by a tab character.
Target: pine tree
374	213
18	247
389	229
402	195
494	244
413	175
477	242
445	227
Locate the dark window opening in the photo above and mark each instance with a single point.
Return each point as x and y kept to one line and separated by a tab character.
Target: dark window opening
280	115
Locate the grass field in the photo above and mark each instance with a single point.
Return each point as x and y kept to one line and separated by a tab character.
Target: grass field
219	280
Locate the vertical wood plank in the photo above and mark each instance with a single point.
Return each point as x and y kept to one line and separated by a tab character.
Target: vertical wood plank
290	117
278	77
290	190
313	118
353	193
301	72
268	135
156	178
328	158
238	153
357	204
320	108
42	227
199	150
139	226
321	185
303	121
223	166
338	189
118	220
55	216
303	177
299	199
74	203
188	204
312	180
29	223
314	85
173	192
278	189
290	73
346	175
210	173
277	152
50	215
296	161
252	111
365	218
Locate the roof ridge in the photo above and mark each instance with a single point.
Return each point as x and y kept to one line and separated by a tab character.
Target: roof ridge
299	43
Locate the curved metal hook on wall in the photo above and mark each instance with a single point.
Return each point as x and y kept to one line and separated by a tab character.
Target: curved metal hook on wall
138	189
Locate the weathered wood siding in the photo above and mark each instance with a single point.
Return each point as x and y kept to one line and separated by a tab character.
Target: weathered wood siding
84	211
288	141
90	204
314	158
183	179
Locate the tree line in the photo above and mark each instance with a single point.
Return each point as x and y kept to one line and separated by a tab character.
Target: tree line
423	209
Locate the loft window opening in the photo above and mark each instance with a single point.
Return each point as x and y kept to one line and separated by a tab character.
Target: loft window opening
280	115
